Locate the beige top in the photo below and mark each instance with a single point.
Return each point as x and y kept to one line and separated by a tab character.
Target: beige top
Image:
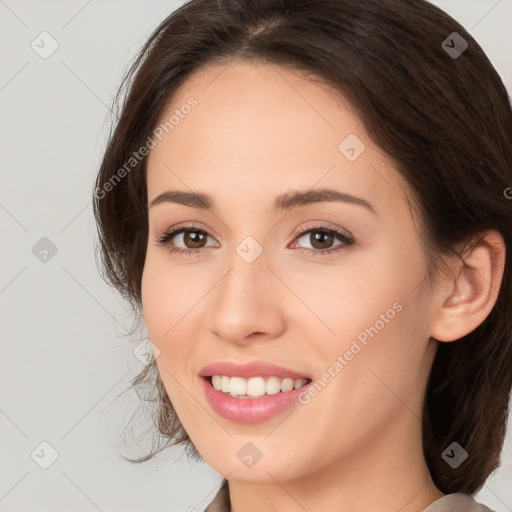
456	502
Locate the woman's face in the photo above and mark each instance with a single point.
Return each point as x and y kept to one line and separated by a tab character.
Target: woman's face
350	314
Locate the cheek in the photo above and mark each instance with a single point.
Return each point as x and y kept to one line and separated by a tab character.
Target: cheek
383	359
345	298
155	303
166	297
376	318
170	300
159	308
164	305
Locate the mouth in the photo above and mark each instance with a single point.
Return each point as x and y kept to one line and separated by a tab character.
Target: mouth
254	387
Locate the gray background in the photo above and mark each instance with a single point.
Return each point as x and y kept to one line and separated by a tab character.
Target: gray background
64	361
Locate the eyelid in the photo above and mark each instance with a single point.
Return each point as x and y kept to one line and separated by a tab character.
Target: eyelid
319	225
297	232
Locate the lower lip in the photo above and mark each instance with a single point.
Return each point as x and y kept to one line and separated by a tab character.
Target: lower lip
249	410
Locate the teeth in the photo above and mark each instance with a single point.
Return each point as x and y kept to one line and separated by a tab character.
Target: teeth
255	386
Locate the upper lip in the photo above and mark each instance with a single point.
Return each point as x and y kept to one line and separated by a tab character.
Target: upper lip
250	369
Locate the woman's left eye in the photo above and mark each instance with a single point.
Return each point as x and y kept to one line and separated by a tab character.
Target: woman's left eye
319	237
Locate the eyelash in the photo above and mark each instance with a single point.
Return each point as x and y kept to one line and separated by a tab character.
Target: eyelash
164	239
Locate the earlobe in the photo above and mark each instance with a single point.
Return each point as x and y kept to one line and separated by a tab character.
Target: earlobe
469	295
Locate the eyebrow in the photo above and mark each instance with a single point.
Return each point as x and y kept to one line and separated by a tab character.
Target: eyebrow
286	201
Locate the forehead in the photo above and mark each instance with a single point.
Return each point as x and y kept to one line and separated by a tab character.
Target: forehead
256	127
266	97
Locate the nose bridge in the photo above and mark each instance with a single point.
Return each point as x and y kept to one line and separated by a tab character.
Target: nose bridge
246	300
245	284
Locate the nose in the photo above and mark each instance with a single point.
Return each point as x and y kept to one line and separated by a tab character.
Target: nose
247	303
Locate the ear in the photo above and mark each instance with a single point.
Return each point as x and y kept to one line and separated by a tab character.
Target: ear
465	299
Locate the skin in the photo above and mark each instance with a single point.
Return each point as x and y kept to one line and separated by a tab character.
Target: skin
259	131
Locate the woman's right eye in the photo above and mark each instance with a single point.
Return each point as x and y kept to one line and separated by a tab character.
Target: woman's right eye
193	238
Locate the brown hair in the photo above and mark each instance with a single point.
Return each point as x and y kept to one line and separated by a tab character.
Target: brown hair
444	119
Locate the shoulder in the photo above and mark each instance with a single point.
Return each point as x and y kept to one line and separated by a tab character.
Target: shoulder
221	502
457	502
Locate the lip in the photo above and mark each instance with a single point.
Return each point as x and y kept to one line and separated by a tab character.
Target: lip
249	410
250	369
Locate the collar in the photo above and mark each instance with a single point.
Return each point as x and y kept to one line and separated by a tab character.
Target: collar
456	502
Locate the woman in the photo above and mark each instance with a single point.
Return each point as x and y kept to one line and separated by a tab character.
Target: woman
308	202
